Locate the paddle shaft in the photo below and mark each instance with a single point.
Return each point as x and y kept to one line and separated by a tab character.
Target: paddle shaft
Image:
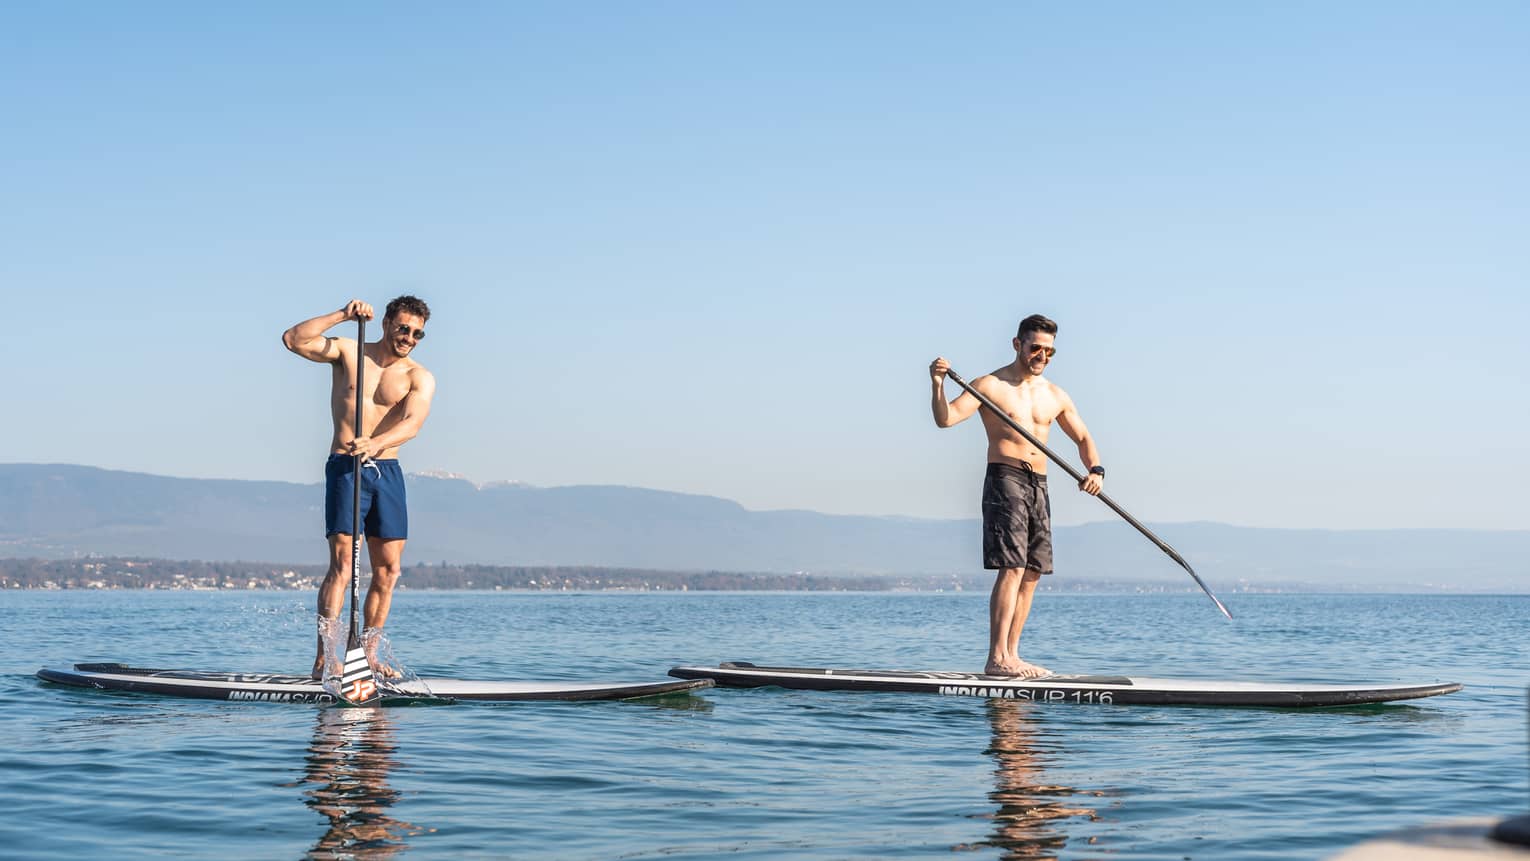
361	363
1080	477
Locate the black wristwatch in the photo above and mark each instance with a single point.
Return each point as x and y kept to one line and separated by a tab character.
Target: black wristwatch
1097	470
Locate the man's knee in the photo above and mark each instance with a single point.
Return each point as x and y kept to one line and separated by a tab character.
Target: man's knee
1031	575
340	548
384	577
337	575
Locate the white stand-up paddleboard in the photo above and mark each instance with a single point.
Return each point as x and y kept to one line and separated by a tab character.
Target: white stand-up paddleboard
1103	690
267	687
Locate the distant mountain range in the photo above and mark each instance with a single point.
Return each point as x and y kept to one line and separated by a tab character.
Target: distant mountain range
59	511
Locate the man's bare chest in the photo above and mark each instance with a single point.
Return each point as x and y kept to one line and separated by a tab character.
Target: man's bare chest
391	387
1031	404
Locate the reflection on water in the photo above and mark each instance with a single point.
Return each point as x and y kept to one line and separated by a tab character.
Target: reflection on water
346	772
1031	811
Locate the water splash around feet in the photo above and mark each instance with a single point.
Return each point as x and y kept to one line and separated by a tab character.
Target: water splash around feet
332	633
391	673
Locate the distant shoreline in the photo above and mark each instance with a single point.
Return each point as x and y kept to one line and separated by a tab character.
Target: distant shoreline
133	573
589	533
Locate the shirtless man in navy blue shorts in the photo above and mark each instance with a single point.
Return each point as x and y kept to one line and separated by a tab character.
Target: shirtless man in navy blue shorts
395	404
1017	514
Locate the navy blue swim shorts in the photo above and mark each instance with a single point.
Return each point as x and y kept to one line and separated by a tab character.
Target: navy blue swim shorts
384	510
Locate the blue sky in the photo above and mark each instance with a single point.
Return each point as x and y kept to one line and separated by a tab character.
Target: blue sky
712	247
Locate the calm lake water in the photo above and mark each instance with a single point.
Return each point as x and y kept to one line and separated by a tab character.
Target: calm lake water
760	773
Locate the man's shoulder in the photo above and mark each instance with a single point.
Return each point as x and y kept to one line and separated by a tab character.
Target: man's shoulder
1054	390
418	373
995	377
989	384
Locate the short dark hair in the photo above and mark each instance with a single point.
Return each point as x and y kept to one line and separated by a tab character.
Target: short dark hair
409	305
1035	323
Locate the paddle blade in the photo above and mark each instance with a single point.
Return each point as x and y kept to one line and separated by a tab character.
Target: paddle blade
1174	554
358	687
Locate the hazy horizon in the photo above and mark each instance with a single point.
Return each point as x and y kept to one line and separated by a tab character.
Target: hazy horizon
444	475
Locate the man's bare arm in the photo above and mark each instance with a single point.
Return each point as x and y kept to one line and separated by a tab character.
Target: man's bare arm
1074	427
307	338
415	407
958	410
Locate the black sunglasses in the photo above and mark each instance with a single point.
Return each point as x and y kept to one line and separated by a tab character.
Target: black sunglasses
402	329
1037	348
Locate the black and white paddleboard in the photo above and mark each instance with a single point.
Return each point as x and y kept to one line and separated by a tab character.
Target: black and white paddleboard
1103	690
269	687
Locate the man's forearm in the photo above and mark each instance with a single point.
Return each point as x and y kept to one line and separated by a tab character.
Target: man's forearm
397	435
938	405
1088	453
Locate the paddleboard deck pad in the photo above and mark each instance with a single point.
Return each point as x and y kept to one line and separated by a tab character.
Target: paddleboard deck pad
269	687
1102	690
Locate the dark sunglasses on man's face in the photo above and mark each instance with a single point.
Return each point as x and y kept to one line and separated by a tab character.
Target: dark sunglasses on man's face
402	329
1038	348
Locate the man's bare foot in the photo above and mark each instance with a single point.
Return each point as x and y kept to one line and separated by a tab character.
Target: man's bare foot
1029	670
318	669
384	671
380	654
1016	669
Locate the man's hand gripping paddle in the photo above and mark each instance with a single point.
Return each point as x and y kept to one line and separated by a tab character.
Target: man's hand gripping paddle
1079	477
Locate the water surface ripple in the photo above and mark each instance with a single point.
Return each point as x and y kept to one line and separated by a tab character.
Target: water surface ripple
763	773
